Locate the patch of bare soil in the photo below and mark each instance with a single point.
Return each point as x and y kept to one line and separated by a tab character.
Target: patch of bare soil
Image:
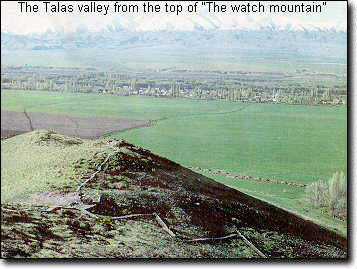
71	125
133	203
53	199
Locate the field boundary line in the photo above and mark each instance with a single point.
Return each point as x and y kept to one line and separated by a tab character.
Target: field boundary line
155	121
208	114
258	179
29	120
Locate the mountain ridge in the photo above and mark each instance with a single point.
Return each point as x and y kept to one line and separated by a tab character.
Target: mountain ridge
323	42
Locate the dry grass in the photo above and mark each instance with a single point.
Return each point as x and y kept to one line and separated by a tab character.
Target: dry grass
39	160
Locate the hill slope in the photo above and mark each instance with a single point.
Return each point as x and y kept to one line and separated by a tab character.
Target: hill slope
128	202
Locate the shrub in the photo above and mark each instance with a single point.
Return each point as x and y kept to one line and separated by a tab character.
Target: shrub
330	195
317	193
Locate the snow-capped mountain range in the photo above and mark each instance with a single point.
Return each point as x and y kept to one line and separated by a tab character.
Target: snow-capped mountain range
321	33
202	34
316	42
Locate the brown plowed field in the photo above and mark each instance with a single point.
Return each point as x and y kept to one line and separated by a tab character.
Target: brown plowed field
71	125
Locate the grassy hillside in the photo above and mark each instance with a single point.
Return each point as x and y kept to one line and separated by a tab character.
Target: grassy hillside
27	168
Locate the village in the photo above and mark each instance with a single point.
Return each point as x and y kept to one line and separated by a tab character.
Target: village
221	86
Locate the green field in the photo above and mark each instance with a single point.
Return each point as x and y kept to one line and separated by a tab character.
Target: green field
288	142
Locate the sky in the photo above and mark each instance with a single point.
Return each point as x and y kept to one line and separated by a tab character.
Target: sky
333	15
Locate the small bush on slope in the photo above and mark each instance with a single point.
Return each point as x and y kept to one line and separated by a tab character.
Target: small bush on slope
331	195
